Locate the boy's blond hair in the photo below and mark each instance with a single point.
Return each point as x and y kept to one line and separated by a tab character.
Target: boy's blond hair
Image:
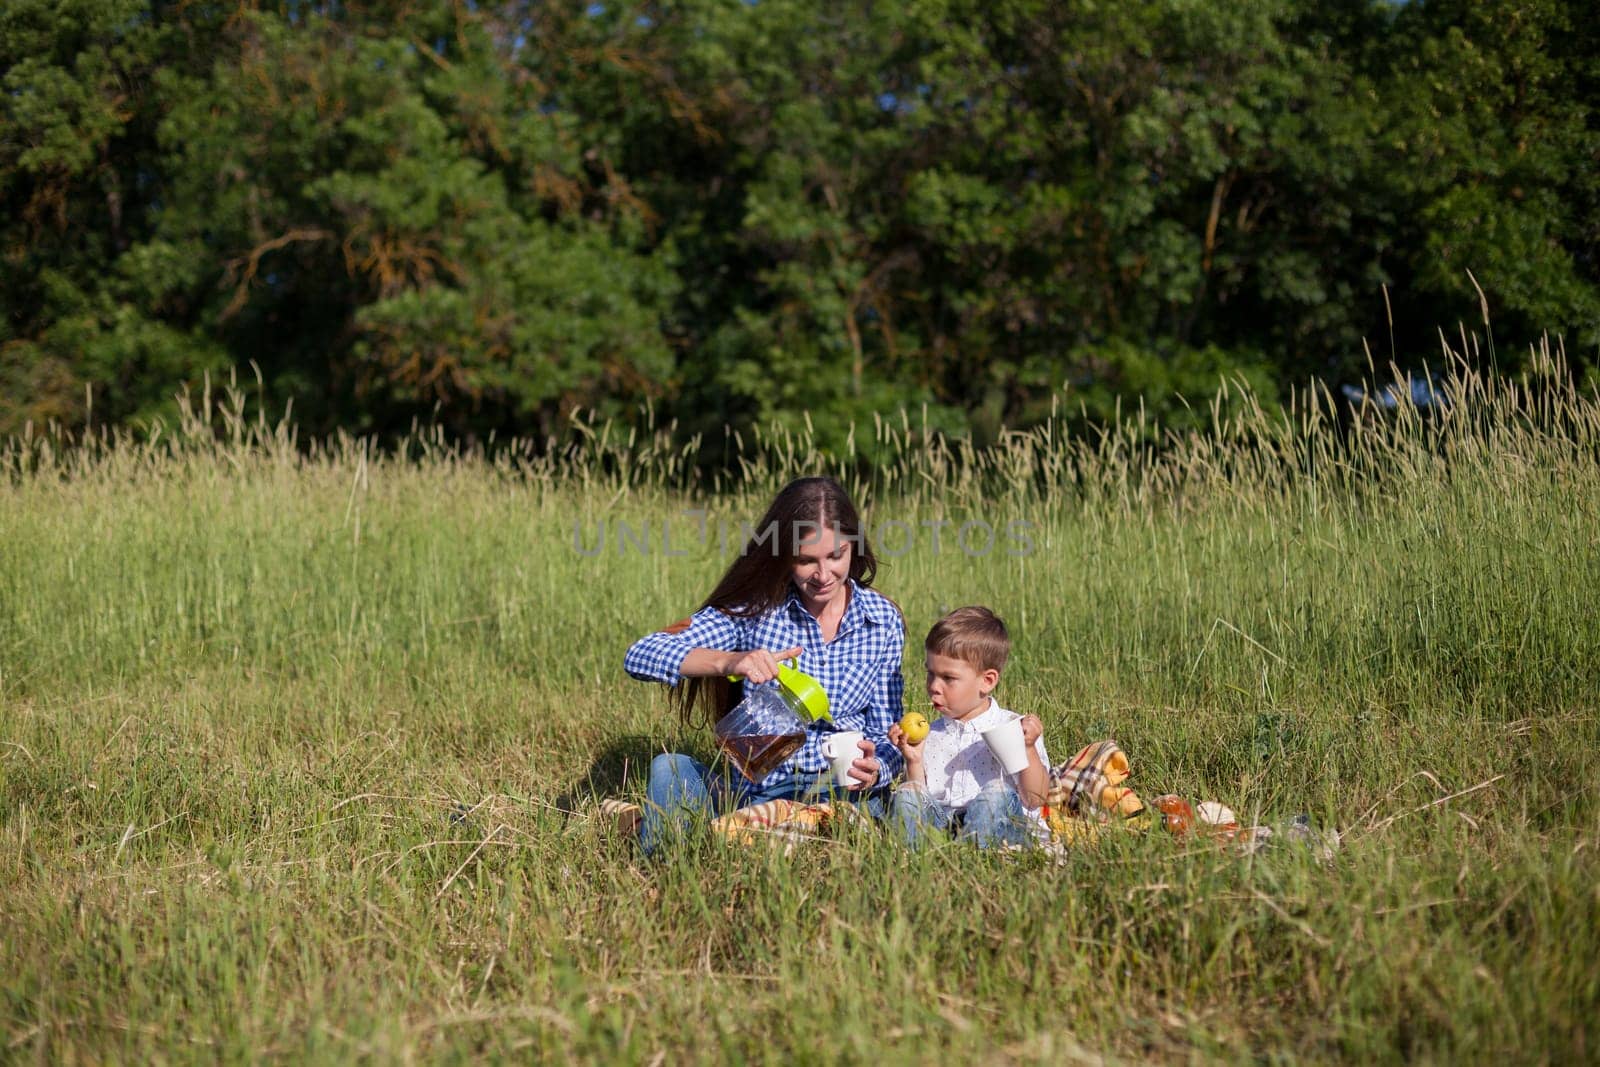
975	635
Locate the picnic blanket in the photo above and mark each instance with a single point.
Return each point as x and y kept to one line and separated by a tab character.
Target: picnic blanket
788	822
1087	796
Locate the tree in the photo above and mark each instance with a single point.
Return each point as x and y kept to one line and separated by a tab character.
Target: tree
80	185
1492	143
492	214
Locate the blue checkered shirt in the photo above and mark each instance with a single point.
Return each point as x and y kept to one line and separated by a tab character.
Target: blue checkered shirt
859	668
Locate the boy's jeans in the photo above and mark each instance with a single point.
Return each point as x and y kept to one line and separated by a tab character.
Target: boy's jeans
994	817
683	791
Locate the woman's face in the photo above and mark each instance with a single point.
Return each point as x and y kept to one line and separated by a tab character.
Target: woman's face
821	569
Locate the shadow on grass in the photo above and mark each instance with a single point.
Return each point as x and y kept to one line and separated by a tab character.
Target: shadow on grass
622	767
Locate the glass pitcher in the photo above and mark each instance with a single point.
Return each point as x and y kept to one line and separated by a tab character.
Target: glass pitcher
769	724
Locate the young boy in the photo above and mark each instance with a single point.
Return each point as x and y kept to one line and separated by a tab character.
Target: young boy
952	781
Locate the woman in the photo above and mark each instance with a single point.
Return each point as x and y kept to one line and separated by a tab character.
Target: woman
798	589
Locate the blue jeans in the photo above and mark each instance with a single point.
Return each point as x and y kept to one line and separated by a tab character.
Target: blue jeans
683	791
994	817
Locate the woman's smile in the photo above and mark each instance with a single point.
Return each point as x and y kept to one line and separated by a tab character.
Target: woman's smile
820	568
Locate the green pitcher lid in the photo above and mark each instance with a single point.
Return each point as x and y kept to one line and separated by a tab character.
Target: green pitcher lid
803	693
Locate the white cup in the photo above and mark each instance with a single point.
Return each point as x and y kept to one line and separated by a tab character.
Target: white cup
843	748
1006	742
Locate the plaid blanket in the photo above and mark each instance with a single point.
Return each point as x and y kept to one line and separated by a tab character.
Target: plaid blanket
788	822
1087	795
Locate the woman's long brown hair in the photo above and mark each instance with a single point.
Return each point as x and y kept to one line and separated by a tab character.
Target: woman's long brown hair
759	579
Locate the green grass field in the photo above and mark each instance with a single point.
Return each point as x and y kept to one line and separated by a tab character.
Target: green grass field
243	688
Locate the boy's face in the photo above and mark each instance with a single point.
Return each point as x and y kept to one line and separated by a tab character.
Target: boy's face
957	688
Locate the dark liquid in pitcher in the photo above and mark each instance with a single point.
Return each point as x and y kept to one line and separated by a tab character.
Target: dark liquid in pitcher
756	755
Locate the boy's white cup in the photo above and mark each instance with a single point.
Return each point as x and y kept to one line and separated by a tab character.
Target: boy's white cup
842	748
1006	742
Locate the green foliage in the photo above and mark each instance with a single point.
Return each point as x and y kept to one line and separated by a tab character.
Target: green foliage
492	215
1495	137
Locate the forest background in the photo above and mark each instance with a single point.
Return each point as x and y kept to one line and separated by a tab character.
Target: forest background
490	216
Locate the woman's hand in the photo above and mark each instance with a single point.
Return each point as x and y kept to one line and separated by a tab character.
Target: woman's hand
864	771
759	665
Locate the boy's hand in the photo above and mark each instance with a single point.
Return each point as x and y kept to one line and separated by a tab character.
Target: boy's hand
1032	729
911	752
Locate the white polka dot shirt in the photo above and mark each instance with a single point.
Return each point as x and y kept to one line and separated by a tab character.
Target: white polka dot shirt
957	763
